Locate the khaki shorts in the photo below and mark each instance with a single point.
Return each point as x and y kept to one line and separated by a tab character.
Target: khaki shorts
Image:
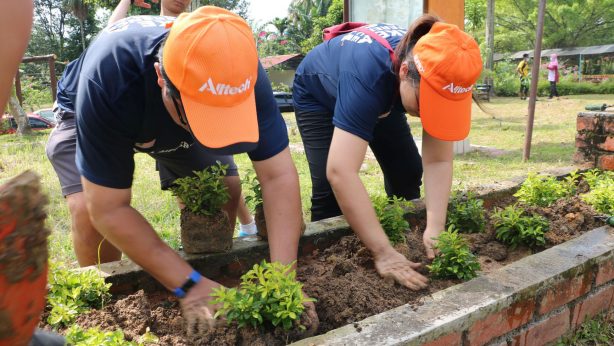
180	161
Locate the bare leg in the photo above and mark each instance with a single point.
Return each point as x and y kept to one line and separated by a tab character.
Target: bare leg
245	217
234	189
85	237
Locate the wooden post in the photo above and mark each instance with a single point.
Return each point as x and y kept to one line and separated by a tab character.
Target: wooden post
534	78
18	88
346	10
52	77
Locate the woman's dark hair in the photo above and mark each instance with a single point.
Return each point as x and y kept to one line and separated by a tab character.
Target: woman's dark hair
417	29
172	90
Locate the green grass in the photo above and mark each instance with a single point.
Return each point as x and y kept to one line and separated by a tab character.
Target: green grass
596	331
553	146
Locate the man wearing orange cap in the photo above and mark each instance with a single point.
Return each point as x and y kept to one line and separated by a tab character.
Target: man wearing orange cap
353	91
188	96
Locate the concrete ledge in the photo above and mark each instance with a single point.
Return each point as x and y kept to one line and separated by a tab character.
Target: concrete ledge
501	306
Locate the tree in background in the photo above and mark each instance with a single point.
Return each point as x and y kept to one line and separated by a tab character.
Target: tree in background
332	17
301	15
568	23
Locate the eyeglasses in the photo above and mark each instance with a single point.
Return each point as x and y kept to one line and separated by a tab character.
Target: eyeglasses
180	113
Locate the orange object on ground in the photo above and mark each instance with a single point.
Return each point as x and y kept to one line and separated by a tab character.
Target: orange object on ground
23	258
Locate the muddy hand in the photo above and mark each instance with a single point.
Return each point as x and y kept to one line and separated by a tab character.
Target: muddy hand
394	265
197	310
430	239
312	317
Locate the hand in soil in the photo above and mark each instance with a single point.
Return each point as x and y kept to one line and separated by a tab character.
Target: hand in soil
395	266
311	318
196	309
429	239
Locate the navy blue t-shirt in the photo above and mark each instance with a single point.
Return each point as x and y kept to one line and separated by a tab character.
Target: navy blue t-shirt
114	93
350	76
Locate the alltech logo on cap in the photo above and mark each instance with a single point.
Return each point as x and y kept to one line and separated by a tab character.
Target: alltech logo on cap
449	63
210	55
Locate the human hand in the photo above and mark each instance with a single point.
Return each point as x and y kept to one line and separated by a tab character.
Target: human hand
142	3
392	264
430	240
197	310
312	320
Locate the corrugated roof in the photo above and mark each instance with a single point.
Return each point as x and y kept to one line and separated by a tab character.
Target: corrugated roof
292	59
591	50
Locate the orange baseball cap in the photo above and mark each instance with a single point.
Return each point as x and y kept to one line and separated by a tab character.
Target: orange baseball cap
210	56
449	63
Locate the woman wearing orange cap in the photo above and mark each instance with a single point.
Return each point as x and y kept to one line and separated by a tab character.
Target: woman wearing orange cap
353	91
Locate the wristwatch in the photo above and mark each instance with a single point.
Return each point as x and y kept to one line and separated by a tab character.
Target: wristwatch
192	280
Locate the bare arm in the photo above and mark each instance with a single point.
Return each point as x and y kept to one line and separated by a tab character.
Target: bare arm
15	26
345	156
282	205
121	11
124	227
437	159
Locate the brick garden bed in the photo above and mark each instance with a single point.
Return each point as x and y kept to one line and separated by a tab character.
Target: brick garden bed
530	301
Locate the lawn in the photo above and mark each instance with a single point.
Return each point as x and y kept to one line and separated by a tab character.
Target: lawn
503	127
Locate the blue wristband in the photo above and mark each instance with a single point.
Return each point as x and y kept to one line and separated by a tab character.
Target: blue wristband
192	280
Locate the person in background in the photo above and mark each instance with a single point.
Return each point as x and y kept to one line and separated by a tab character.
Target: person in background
553	75
351	93
173	8
523	72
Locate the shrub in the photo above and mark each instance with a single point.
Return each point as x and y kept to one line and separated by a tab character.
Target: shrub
513	228
466	212
280	87
601	194
71	294
390	212
543	190
204	193
454	259
254	196
75	335
268	293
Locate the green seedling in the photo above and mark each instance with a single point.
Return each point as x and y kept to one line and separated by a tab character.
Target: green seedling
514	228
252	184
543	190
71	294
204	193
268	293
466	212
454	260
390	212
601	194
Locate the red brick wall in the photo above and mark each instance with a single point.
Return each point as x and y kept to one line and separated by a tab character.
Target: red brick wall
547	315
595	139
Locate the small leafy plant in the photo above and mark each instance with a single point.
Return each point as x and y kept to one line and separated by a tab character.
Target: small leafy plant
390	212
514	228
543	190
268	293
466	212
601	194
254	197
75	335
454	259
204	193
71	294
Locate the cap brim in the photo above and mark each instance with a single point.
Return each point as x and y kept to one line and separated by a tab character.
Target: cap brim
442	118
227	130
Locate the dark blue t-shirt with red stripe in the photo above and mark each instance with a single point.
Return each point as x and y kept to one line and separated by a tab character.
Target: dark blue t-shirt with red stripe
351	77
113	90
